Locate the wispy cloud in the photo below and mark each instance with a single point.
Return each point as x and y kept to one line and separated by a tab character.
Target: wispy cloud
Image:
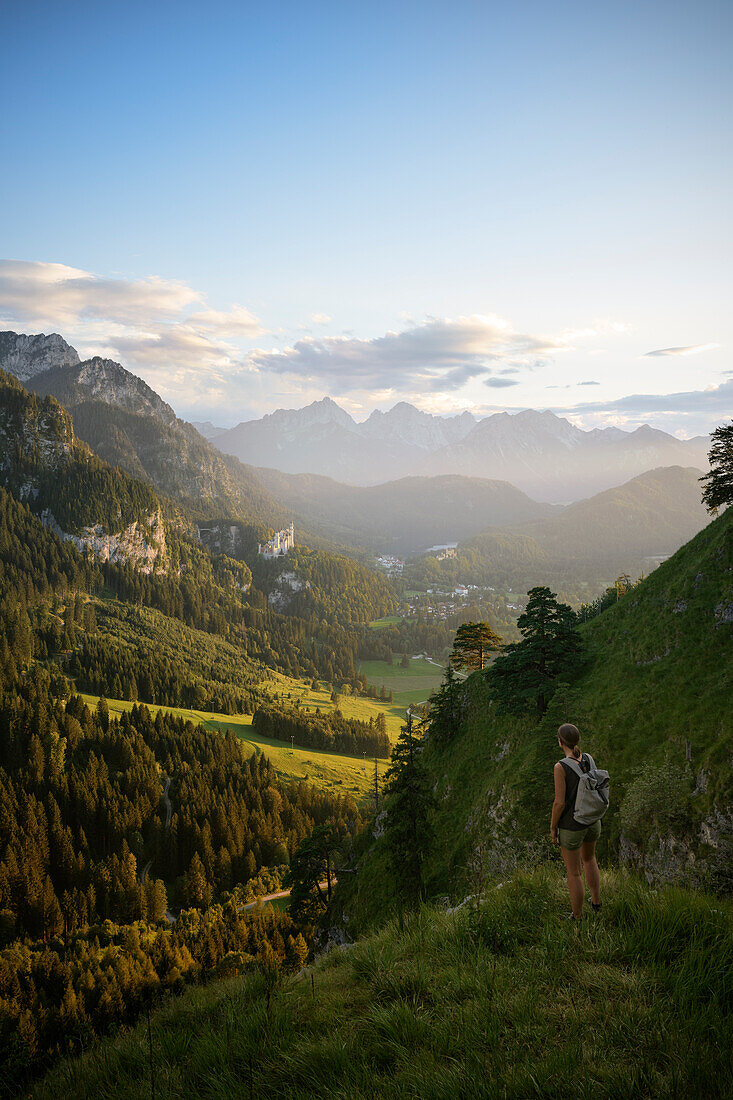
436	353
693	411
692	349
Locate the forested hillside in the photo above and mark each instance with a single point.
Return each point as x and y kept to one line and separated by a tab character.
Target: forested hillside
42	462
403	516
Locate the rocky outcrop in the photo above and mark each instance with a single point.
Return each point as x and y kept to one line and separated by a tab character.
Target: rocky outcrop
141	544
26	356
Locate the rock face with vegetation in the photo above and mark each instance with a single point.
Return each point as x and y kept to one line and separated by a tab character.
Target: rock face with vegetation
80	498
26	356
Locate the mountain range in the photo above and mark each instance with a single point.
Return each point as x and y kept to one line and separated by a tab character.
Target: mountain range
540	453
129	426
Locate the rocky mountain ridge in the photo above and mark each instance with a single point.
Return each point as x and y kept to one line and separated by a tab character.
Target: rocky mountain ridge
25	356
540	453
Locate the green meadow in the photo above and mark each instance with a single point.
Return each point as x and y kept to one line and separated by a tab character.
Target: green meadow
410	685
331	771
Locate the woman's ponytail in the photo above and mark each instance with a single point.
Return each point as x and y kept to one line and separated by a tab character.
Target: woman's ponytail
570	736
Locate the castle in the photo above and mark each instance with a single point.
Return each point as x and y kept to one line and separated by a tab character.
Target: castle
279	544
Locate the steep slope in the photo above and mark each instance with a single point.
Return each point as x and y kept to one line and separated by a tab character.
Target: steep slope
99	379
402	516
128	425
654	707
81	498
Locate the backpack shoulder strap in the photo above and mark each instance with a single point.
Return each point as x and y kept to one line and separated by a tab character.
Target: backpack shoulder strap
575	765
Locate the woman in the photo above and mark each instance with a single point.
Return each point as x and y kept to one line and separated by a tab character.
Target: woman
577	842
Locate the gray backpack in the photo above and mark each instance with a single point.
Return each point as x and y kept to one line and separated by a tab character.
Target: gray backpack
591	799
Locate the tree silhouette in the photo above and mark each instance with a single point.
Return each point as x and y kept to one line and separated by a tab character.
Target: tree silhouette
718	491
311	875
551	649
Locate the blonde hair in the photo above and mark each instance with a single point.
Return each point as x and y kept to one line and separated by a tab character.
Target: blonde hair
570	736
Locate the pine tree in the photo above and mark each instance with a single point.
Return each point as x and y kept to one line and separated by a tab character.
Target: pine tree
445	707
409	803
472	645
718	491
311	874
551	649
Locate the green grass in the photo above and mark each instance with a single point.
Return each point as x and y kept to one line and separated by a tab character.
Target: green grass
502	999
410	685
331	771
656	687
386	620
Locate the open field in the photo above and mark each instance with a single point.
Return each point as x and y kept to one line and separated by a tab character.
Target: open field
386	620
332	771
350	706
410	685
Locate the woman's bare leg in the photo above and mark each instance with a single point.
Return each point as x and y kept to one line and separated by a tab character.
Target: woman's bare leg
590	866
575	881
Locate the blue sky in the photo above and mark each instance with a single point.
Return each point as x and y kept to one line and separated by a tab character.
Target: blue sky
466	205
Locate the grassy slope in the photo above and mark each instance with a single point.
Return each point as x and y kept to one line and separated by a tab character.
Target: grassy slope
493	782
506	1000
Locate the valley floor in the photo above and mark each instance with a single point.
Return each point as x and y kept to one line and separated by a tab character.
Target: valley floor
503	998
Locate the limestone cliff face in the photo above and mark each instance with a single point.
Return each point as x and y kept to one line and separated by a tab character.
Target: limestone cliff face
142	543
26	356
98	508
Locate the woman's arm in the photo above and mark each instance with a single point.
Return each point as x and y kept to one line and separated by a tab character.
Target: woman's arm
559	804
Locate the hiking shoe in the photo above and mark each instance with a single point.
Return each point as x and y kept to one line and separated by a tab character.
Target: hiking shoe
572	916
596	908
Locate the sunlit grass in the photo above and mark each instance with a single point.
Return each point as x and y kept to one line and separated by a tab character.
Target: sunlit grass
504	998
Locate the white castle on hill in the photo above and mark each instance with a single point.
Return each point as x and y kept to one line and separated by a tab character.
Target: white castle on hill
279	544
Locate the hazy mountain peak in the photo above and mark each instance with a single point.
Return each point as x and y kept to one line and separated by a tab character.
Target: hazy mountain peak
26	356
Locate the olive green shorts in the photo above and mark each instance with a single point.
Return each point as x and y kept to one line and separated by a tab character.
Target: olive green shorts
571	839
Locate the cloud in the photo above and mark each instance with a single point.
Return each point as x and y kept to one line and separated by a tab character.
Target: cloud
591	383
693	349
53	295
694	411
433	354
320	319
237	321
163	328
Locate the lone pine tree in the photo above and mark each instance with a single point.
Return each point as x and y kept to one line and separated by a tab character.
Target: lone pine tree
472	646
718	491
527	673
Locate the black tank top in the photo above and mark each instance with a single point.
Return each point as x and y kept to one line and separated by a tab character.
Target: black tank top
567	821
